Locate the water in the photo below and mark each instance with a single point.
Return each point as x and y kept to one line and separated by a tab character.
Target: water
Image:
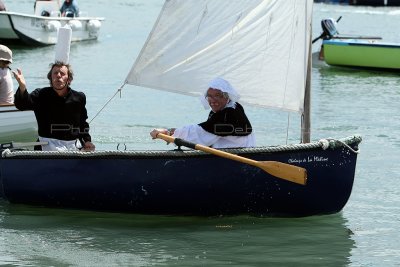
345	102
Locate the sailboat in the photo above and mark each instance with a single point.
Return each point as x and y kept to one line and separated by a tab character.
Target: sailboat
263	48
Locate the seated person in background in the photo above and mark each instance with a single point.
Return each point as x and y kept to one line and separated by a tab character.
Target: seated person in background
6	83
227	124
60	111
69	9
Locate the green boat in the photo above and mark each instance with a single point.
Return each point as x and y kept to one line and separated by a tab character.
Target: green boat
362	53
356	51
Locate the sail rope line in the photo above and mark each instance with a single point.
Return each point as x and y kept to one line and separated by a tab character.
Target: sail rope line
287	127
119	90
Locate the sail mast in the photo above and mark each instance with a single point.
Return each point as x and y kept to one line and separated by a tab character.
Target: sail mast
306	118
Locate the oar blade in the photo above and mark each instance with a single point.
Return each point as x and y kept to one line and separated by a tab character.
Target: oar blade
285	171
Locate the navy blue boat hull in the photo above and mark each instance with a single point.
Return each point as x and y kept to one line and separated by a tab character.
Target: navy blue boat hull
181	183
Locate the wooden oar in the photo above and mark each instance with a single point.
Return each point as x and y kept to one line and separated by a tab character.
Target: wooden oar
281	170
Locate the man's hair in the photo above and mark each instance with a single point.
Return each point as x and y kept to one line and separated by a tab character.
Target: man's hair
60	64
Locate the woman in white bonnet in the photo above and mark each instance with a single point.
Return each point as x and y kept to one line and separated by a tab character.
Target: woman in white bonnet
227	124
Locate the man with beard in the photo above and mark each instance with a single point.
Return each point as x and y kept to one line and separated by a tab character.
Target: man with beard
60	111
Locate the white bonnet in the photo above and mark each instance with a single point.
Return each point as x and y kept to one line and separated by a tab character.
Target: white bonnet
224	86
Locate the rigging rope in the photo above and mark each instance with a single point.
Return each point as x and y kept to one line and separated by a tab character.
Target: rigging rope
118	91
287	128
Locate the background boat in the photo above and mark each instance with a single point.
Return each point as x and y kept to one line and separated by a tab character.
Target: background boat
355	51
19	126
37	29
362	53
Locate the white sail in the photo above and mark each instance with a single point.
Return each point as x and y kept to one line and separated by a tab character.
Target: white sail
260	46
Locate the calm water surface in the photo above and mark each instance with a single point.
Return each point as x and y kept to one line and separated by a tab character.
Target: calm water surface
345	102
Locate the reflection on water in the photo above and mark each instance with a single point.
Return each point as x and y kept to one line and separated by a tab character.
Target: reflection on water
41	236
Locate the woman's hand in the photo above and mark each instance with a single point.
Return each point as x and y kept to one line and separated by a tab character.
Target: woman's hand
171	131
155	132
89	146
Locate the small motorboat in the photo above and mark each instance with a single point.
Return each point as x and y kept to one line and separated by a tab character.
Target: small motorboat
362	53
16	125
41	28
356	51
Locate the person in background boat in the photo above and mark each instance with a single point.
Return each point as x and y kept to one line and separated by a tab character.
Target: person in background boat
69	9
6	83
227	124
60	111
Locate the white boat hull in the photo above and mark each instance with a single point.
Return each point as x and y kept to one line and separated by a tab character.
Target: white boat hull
17	126
40	30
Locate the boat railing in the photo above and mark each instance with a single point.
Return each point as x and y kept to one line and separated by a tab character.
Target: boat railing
351	143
